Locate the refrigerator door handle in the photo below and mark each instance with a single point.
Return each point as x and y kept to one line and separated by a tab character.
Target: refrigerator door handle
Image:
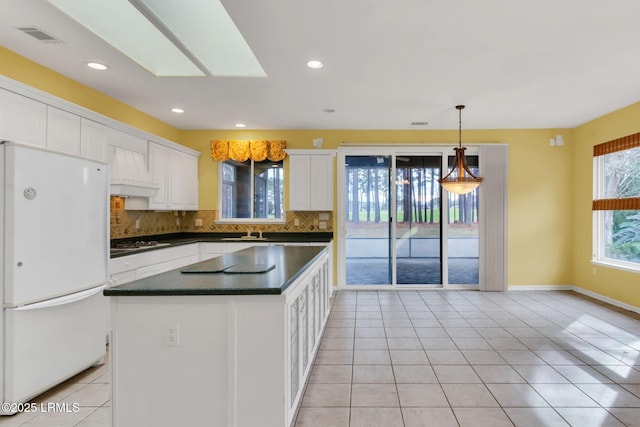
67	299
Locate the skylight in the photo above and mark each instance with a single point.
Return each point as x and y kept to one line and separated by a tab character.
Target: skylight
168	37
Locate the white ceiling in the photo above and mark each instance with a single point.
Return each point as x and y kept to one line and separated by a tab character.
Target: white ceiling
514	63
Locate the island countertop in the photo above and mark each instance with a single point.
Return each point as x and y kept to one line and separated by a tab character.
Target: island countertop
289	262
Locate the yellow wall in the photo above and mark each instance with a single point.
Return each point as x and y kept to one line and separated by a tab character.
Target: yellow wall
539	186
21	69
617	284
549	191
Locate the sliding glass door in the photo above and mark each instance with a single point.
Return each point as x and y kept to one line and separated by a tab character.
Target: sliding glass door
462	233
400	228
417	226
367	204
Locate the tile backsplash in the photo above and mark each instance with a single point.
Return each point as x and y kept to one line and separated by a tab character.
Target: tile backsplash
123	222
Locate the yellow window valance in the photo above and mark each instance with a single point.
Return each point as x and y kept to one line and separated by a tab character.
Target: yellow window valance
242	150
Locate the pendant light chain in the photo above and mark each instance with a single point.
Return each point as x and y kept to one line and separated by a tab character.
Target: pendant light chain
460	107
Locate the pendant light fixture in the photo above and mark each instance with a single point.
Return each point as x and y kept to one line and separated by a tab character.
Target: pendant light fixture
460	180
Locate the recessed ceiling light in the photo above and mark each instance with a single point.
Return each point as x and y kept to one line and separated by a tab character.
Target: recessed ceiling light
97	66
315	64
240	125
329	110
177	110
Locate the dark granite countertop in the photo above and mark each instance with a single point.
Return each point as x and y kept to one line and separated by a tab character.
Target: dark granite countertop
177	239
289	263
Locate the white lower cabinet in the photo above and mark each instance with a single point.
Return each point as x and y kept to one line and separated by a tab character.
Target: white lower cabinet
307	313
241	360
144	264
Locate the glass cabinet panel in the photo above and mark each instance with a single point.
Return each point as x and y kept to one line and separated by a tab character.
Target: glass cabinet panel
294	350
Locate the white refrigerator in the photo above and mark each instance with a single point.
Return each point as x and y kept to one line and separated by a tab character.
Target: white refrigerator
53	265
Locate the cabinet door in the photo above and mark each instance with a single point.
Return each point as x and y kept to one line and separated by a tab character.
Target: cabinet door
123	277
22	119
158	163
94	138
183	181
299	196
294	353
63	131
321	182
311	323
177	187
191	182
304	331
317	307
326	283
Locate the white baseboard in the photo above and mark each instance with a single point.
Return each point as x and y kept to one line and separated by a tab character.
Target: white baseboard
607	299
542	288
579	290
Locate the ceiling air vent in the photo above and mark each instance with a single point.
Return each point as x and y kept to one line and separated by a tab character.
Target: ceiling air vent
40	35
419	123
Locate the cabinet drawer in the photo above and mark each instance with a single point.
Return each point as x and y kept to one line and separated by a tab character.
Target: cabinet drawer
123	277
125	263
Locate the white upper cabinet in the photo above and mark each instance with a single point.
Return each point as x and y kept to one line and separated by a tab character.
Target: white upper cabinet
311	180
183	184
63	131
321	182
158	166
22	119
46	121
177	174
94	140
299	181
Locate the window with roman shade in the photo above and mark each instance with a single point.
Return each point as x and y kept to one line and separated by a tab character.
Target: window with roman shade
616	202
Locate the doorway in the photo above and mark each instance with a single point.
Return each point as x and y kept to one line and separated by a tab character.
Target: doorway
400	229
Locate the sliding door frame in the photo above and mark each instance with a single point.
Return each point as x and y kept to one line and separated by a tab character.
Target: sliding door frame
444	151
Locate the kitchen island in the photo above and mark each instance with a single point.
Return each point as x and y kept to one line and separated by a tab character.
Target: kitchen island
219	348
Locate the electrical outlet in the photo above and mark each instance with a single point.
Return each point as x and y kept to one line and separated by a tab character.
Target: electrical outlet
198	222
173	334
137	224
322	225
177	221
296	222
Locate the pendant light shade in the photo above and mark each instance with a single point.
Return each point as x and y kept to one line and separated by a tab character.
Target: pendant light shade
460	180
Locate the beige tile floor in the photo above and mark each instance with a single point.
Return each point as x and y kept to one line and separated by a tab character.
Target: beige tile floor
88	399
463	358
445	358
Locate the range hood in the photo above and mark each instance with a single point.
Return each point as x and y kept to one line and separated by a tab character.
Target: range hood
130	176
